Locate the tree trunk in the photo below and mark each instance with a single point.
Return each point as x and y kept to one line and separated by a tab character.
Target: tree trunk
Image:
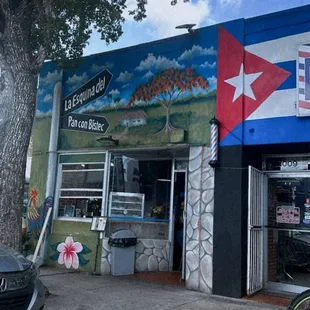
168	126
17	107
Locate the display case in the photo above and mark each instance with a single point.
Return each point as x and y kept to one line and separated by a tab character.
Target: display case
126	204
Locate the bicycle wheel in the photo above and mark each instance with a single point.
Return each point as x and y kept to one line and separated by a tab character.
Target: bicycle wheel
301	301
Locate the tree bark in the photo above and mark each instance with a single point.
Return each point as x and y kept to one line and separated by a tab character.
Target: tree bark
168	126
17	107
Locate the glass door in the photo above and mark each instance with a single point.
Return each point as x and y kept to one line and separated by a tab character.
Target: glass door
288	233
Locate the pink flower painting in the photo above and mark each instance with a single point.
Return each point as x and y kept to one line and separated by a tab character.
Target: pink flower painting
68	253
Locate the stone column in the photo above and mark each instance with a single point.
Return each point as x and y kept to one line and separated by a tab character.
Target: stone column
199	222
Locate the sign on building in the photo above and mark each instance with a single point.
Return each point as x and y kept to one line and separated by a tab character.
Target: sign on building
82	122
91	90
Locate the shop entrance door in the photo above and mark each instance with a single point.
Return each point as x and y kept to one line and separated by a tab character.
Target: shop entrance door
288	232
255	251
179	204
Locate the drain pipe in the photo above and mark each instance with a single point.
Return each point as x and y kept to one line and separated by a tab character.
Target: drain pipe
52	152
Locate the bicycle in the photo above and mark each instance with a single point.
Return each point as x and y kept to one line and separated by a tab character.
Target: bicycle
300	302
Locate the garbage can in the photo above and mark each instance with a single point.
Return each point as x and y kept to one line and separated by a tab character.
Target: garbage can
123	250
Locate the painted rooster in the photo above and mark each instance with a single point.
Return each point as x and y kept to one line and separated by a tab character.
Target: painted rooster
36	215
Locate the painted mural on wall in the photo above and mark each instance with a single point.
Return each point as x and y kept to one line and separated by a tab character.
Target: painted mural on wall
36	213
262	80
72	244
70	253
157	93
49	77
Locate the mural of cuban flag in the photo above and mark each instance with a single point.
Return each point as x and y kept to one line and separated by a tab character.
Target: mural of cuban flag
260	87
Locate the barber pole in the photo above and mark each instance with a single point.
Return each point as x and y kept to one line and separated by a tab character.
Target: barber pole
214	142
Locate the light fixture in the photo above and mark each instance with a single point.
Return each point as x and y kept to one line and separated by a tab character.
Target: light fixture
163	180
189	27
214	128
108	141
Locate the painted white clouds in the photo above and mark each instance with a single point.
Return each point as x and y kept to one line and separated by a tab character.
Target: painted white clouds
197	50
147	75
51	78
96	69
77	79
212	81
47	98
208	65
157	63
114	92
124	77
152	64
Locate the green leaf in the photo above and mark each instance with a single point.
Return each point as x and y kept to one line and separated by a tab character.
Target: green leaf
55	256
54	246
85	250
82	260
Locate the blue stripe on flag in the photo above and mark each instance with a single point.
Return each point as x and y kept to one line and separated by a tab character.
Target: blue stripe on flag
290	82
271	131
278	25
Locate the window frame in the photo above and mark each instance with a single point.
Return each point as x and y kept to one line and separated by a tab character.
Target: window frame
59	189
143	219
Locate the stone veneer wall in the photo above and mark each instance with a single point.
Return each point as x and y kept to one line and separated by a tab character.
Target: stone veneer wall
199	232
151	255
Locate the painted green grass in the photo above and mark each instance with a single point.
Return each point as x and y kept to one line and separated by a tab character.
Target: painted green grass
40	135
192	114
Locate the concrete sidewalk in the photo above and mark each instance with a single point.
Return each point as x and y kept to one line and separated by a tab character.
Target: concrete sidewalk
81	291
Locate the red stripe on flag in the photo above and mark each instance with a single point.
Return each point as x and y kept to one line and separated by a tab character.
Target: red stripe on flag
304	104
301	78
303	54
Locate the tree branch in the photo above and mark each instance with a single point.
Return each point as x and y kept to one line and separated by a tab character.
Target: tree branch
39	58
175	99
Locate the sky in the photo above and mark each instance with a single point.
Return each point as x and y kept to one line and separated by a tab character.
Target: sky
162	18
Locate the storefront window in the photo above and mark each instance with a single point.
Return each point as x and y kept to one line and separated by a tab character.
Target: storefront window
81	188
288	230
139	188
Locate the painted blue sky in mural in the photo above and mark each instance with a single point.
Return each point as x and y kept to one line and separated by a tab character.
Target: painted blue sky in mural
160	23
132	67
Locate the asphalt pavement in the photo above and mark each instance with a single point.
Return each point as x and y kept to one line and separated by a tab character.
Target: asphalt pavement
83	291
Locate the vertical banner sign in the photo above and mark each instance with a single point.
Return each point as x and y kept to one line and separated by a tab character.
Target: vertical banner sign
303	80
90	91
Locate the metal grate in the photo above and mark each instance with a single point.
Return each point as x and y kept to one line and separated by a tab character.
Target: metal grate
255	231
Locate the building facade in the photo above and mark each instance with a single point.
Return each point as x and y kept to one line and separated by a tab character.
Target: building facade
261	196
126	136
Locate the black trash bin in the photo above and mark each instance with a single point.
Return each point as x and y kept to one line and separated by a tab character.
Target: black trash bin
123	247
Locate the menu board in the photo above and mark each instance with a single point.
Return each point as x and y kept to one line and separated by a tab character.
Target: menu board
288	215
